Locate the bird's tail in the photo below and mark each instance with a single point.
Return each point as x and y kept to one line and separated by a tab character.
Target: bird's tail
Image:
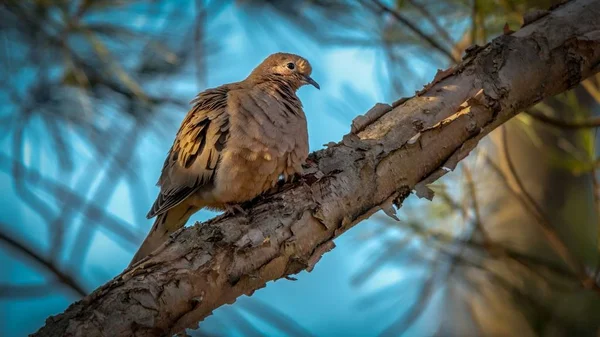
165	224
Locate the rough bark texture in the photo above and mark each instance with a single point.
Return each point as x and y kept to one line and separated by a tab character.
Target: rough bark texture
391	152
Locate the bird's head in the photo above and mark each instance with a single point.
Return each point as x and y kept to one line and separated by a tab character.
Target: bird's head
293	69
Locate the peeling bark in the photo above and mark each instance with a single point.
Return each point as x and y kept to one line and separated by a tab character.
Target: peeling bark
391	152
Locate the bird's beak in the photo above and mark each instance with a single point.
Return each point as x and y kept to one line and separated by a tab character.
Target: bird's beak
309	80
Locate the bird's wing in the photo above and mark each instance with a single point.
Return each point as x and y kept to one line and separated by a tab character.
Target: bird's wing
193	159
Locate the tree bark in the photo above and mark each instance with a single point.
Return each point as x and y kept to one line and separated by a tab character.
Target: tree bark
391	151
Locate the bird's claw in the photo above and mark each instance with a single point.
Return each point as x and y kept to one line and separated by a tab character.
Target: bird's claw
295	177
234	209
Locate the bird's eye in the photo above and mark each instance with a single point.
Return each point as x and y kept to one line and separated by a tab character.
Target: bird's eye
291	65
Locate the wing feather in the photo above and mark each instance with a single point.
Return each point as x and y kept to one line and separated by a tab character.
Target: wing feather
194	157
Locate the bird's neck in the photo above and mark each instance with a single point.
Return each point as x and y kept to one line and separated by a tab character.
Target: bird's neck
275	82
281	90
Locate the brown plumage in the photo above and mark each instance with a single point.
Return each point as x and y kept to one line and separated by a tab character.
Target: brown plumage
234	144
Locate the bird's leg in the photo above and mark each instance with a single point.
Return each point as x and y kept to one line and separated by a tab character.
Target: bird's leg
296	177
234	209
309	163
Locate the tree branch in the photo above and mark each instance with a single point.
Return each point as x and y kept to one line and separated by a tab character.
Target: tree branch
399	149
415	29
545	225
592	122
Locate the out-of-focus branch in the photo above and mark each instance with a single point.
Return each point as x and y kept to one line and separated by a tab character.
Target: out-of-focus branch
592	88
64	278
116	167
584	279
428	289
592	122
68	199
438	28
415	29
441	241
17	171
199	35
24	291
596	193
544	223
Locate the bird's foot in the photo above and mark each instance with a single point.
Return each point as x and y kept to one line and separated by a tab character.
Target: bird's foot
295	177
309	163
235	209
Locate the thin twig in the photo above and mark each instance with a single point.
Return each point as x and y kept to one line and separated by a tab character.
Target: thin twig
508	285
544	223
453	204
474	22
475	204
19	176
432	20
591	89
405	321
115	169
430	40
494	250
71	199
596	194
201	69
592	122
20	291
62	277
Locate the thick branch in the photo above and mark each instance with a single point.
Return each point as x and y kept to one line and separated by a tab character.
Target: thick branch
391	152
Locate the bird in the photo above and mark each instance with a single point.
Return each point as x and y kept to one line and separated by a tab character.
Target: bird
236	142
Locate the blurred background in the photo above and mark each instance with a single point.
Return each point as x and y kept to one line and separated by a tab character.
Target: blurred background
93	93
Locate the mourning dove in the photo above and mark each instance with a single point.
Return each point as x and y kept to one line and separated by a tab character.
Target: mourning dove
236	142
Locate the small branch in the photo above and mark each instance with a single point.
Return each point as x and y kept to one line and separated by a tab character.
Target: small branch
428	289
544	224
430	40
474	11
116	166
62	277
508	284
436	25
496	251
592	89
475	204
451	203
199	48
596	194
70	199
592	122
26	291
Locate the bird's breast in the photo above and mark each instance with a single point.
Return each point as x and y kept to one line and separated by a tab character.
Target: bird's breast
266	141
243	176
